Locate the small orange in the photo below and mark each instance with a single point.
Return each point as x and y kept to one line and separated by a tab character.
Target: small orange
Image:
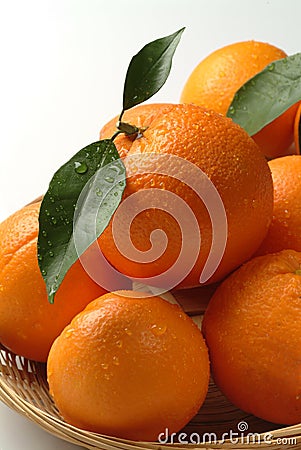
129	366
218	77
28	322
252	327
285	229
215	146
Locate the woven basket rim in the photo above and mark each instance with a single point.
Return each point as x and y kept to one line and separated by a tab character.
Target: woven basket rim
58	427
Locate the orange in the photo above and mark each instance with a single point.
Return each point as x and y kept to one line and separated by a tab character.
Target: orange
234	164
28	322
141	117
285	229
218	77
129	366
253	331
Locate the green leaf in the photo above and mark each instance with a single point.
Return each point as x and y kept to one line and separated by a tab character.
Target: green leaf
149	69
267	95
95	174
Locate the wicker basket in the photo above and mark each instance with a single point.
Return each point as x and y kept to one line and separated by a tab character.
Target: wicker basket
24	388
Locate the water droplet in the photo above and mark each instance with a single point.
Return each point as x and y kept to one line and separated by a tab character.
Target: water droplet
119	344
231	110
109	179
47	212
44	272
53	220
128	331
80	167
244	108
121	183
40	257
115	194
69	332
271	67
98	192
49	243
254	203
51	254
115	360
287	213
51	199
158	330
104	366
44	233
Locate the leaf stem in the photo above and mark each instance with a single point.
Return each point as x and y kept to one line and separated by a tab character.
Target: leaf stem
121	115
116	134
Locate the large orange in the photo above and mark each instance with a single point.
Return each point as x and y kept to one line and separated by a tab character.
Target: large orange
28	322
252	327
285	229
218	77
129	366
141	117
231	160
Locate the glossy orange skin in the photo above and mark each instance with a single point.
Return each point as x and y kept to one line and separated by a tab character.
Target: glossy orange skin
141	116
234	164
129	367
218	77
285	229
28	322
252	327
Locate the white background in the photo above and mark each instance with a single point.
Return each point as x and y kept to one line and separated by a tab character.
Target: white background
62	67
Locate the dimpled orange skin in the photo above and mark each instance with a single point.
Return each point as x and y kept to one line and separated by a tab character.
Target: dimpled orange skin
236	167
141	116
252	327
218	77
285	229
28	322
129	367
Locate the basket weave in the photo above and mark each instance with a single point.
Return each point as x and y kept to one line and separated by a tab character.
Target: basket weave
24	388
